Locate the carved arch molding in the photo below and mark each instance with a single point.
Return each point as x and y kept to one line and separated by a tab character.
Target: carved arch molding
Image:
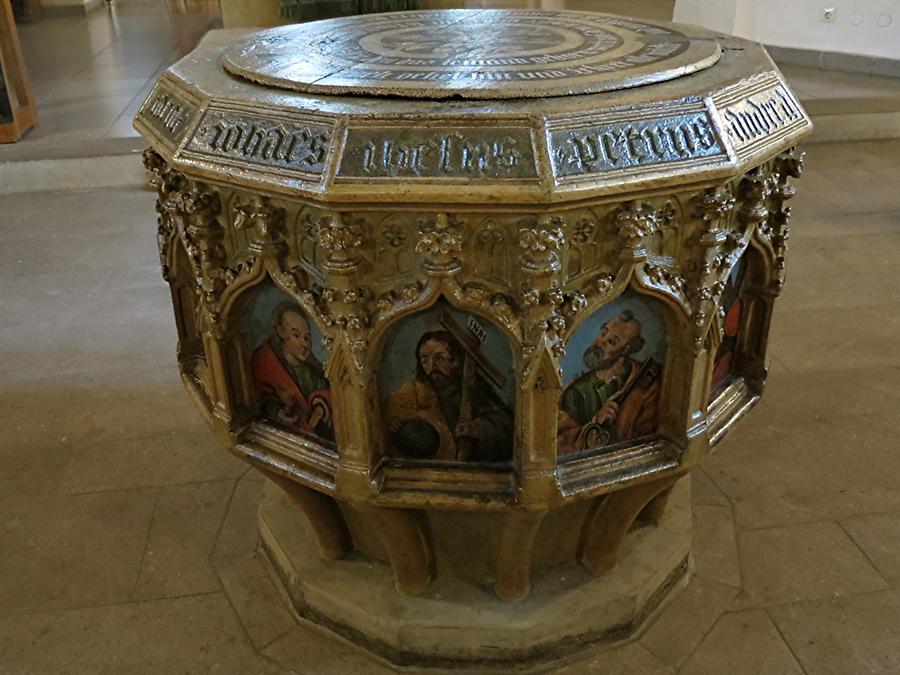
535	276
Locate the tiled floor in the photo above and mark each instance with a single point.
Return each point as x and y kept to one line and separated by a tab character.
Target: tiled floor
127	536
90	73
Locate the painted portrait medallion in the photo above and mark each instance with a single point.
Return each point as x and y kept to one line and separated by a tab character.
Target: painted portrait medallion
732	304
286	365
612	374
447	388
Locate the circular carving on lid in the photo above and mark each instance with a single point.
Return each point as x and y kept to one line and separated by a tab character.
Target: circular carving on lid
470	53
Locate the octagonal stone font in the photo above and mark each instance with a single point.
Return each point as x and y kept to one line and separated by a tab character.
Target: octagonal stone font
474	326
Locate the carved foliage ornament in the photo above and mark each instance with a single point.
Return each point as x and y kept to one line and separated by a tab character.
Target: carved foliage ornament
340	238
636	221
167	183
540	240
695	276
441	242
267	220
787	165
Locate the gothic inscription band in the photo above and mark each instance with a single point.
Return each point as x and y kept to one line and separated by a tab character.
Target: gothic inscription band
268	142
167	113
492	153
755	117
470	53
634	143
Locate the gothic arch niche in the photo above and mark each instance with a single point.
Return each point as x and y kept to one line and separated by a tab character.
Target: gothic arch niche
394	239
277	358
665	240
192	358
741	320
304	240
237	240
591	244
492	251
612	377
447	388
184	299
740	326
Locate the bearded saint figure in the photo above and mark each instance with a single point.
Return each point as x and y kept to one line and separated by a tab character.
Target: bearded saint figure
617	397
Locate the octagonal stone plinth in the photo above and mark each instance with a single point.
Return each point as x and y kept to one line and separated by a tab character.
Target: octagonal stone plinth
459	622
476	289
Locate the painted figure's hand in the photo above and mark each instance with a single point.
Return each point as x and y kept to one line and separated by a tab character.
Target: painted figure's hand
286	417
607	413
320	413
394	424
466	428
315	417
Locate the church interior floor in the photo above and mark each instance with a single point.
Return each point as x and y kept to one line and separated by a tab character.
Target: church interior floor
128	537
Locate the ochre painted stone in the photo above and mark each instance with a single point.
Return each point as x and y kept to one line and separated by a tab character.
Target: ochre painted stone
475	326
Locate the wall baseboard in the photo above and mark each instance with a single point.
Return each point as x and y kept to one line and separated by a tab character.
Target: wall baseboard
849	63
52	11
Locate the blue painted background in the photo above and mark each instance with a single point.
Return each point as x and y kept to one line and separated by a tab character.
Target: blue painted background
653	330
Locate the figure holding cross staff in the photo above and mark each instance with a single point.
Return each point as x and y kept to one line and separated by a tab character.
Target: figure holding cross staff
450	409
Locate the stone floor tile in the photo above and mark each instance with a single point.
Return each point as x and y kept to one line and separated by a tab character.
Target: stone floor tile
311	652
704	491
813	452
686	619
836	292
92	87
185	525
802	562
192	636
838	178
632	659
74	410
83	118
822	83
812	223
855	337
742	643
840	636
240	533
71	552
258	604
253	474
175	457
815	259
879	538
715	547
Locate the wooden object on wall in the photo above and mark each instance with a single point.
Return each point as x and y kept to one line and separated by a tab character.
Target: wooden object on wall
26	10
18	112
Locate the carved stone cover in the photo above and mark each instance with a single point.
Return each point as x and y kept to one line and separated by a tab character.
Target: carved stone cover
479	54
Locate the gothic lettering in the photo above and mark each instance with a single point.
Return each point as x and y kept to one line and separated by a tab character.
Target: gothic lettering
499	153
299	146
605	147
168	112
759	115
